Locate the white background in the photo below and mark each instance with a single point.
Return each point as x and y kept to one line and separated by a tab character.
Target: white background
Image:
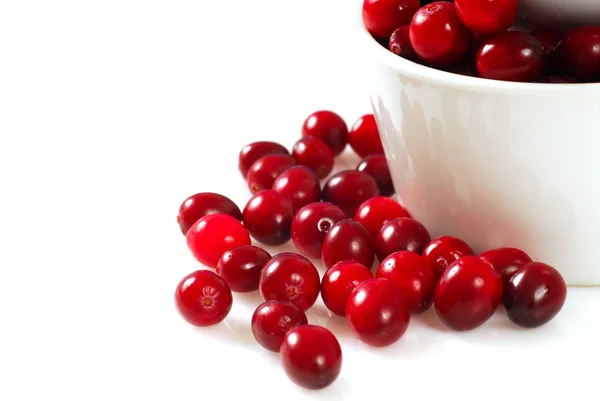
111	113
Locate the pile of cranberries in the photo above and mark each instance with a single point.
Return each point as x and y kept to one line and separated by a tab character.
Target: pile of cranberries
477	38
382	266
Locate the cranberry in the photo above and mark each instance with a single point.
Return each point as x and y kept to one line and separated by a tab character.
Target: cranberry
311	224
377	312
534	295
506	261
375	212
348	240
311	356
400	44
254	151
213	235
240	267
444	250
413	275
364	136
202	298
437	35
290	277
382	17
328	127
300	184
401	234
468	293
579	53
550	39
264	171
339	281
556	79
268	217
377	167
348	189
203	204
487	17
511	56
314	154
272	320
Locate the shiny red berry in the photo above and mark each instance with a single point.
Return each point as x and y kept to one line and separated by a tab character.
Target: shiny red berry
240	267
506	261
579	53
311	224
348	189
444	250
348	240
203	204
268	217
382	17
263	172
375	212
400	44
272	320
401	234
377	167
300	184
550	39
328	127
254	151
314	154
339	281
364	136
486	17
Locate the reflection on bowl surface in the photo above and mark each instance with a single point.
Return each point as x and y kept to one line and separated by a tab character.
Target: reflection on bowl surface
558	13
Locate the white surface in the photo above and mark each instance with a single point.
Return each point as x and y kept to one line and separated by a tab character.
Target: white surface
111	113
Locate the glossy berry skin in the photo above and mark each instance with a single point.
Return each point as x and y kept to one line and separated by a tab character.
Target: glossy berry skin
400	43
375	212
377	312
506	261
311	356
443	251
339	280
290	277
382	17
300	184
348	189
272	320
377	167
311	224
401	234
468	293
268	217
213	235
550	39
203	298
437	35
487	17
240	267
348	240
579	53
254	151
511	56
534	295
413	275
328	127
202	204
263	172
314	154
364	136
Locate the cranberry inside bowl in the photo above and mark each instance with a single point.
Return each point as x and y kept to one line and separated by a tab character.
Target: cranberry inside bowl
496	163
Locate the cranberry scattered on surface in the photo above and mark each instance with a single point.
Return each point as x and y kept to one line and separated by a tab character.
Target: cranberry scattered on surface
254	151
339	281
203	298
364	136
314	154
348	240
213	235
382	17
203	204
240	267
444	250
487	17
401	234
328	127
535	294
375	212
377	167
348	189
300	184
263	172
400	44
311	224
506	261
268	217
272	320
311	356
579	53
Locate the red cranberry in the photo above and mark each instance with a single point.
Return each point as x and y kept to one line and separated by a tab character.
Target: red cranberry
240	267
487	17
382	17
437	35
375	212
202	298
556	79
400	44
377	167
348	240
204	204
264	171
534	295
468	293
348	189
300	184
254	151
314	154
579	53
311	224
506	261
511	56
213	235
268	217
290	277
377	312
364	136
339	281
328	127
550	39
311	356
444	250
401	234
272	320
413	275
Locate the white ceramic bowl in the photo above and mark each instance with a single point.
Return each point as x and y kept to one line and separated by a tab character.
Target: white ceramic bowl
498	164
558	13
